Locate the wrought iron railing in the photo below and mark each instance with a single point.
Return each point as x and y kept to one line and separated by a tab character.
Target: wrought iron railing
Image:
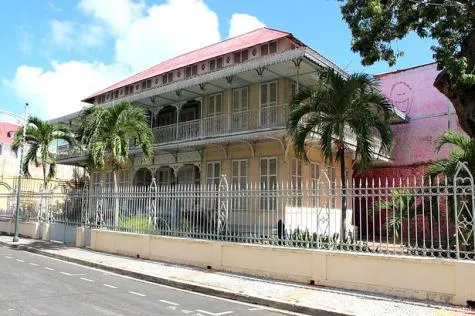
224	124
410	216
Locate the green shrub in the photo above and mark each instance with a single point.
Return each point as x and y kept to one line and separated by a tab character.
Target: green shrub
139	224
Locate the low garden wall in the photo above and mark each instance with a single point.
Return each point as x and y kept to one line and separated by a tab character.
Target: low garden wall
441	280
26	229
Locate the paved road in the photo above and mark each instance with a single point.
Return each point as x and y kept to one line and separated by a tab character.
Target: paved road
31	284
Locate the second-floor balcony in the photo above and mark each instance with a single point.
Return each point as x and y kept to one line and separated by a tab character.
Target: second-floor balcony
215	126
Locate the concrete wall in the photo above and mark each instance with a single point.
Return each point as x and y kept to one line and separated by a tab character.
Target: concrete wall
31	230
447	281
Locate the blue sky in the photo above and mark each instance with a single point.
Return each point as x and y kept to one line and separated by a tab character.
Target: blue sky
56	52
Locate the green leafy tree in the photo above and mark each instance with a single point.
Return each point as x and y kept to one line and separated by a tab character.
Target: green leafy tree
334	108
107	133
375	24
40	138
463	150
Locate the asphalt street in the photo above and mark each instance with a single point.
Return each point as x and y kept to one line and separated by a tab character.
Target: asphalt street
31	284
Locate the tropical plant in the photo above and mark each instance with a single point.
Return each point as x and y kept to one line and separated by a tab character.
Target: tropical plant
107	133
333	109
376	24
463	150
397	209
40	137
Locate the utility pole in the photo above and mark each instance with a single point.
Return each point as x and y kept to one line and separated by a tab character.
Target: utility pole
20	174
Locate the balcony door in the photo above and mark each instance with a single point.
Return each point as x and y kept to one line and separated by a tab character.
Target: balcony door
214	123
268	104
240	114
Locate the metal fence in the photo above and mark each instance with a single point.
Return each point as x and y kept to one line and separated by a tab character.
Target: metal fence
410	216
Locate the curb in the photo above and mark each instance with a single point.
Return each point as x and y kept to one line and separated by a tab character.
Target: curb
277	304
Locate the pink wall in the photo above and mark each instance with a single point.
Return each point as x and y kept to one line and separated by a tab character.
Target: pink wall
412	92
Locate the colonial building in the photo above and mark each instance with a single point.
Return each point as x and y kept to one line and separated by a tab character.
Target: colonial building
221	109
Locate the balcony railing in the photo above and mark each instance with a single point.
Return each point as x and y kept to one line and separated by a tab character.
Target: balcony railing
224	124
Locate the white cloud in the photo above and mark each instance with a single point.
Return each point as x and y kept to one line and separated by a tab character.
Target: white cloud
62	33
167	30
66	34
117	14
242	23
143	36
57	92
92	35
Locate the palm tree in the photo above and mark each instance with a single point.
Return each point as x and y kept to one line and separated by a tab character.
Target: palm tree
334	108
463	151
40	136
107	134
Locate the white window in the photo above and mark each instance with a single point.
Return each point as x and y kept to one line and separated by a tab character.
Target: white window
296	181
124	177
239	182
239	117
268	183
213	125
240	99
213	172
268	102
215	106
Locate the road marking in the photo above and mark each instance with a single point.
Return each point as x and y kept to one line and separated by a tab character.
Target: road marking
256	309
87	280
48	268
214	314
185	311
110	286
170	303
65	273
137	293
33	264
8	257
19	260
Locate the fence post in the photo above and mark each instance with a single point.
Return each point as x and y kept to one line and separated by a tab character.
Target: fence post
152	213
223	205
465	216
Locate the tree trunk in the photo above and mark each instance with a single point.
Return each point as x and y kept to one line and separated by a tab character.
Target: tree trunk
44	176
116	200
461	96
341	155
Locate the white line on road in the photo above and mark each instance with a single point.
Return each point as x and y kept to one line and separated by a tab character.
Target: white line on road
19	260
8	257
137	293
65	273
256	309
185	311
87	280
33	264
214	314
170	303
48	268
110	286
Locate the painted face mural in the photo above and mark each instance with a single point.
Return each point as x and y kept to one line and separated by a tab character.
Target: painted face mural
402	96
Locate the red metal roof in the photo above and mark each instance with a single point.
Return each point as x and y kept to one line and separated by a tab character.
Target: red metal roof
5	128
227	46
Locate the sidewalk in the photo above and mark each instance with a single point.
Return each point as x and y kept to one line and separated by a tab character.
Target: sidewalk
282	295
